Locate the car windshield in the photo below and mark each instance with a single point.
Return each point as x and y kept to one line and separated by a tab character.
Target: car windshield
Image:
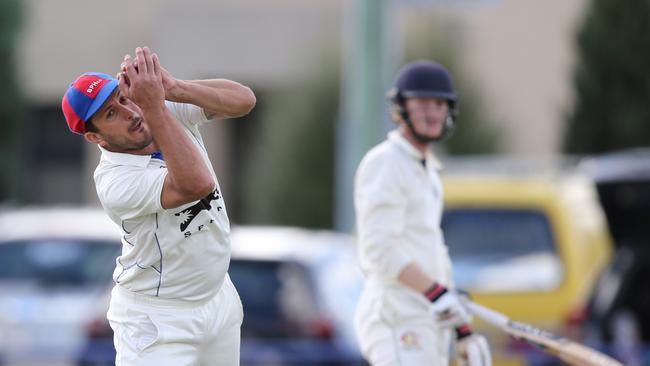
58	262
501	249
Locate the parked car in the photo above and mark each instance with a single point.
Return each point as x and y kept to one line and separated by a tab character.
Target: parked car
298	287
618	317
527	241
54	266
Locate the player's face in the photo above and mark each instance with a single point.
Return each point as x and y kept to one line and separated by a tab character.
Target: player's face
120	125
428	115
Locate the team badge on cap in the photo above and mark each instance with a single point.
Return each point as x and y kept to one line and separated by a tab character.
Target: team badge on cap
85	97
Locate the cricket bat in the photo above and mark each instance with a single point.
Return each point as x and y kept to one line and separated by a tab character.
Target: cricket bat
568	351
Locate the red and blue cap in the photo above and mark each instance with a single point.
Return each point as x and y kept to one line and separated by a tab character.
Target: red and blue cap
85	97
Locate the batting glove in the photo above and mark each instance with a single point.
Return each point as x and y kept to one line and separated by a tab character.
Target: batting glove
446	307
472	349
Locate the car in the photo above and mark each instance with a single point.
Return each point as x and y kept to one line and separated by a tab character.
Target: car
298	287
526	240
54	266
618	314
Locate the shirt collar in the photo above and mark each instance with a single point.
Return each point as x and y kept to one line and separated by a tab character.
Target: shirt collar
396	137
140	161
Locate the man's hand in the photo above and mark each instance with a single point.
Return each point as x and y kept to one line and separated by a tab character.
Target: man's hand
219	98
170	83
446	307
141	79
472	349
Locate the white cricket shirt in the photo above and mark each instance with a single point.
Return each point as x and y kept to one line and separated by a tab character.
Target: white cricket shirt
177	253
398	201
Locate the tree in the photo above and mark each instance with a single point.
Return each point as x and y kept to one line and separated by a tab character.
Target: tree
12	111
290	178
611	79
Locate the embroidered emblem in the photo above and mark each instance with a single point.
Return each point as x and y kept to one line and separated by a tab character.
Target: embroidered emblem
410	341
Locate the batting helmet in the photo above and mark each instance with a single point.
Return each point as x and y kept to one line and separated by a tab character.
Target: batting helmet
424	79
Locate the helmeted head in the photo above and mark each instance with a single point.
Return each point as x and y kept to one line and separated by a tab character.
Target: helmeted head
84	97
424	80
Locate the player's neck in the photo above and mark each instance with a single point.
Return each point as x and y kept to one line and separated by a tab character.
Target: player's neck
147	150
422	147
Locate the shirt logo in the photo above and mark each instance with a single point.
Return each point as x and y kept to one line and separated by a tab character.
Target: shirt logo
188	214
409	340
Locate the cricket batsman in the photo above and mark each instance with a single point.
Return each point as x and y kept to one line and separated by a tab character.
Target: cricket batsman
409	312
173	302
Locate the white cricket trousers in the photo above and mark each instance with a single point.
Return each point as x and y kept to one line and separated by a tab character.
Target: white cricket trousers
392	331
151	331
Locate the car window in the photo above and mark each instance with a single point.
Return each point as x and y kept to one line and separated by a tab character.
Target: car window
58	262
627	207
277	297
501	249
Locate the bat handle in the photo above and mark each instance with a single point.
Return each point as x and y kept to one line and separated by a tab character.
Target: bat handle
488	315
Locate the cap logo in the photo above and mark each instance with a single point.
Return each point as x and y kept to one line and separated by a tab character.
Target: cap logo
90	85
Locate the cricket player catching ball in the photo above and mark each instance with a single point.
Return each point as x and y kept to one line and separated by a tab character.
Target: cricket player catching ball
408	311
173	302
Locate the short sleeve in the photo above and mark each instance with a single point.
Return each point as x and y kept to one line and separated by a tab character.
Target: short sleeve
130	192
188	114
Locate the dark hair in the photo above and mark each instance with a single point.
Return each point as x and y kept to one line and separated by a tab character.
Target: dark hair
90	127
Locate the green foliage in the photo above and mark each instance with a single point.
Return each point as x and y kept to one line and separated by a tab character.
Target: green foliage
434	38
11	103
611	78
290	177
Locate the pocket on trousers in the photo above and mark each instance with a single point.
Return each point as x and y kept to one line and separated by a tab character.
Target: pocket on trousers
143	332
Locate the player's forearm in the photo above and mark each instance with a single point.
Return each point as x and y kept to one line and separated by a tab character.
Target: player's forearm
186	168
219	98
414	277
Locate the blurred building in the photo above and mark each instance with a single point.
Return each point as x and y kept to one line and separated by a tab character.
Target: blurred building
520	51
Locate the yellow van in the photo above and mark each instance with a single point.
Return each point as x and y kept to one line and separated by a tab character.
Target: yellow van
528	244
